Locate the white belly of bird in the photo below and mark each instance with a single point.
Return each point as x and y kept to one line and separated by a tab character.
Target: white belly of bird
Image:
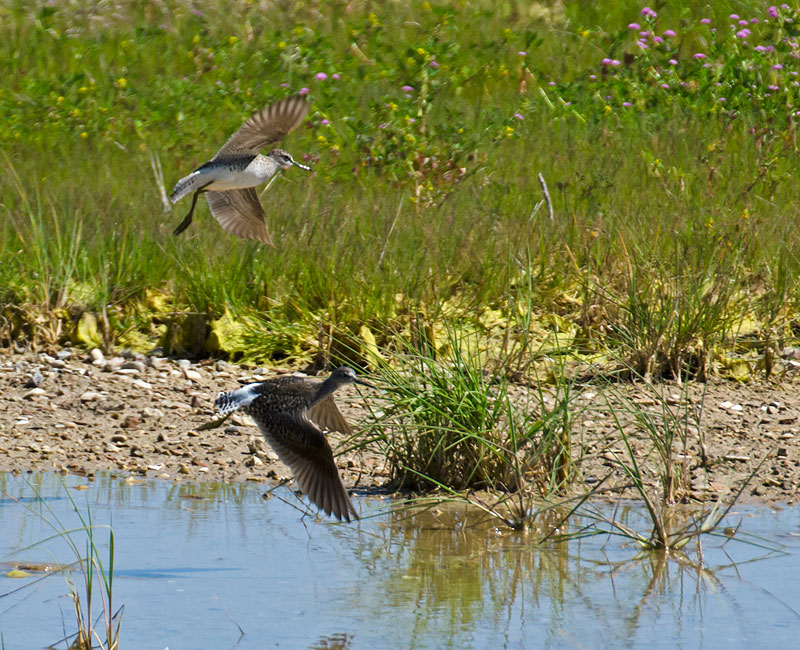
226	178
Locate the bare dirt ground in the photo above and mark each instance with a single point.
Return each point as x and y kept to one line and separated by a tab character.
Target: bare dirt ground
82	413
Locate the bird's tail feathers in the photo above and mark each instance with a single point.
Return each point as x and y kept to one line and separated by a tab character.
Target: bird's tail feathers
236	399
186	185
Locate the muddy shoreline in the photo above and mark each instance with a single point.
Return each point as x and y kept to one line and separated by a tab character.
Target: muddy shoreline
84	412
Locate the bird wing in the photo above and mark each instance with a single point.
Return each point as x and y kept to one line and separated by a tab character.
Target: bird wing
266	127
307	453
240	212
327	416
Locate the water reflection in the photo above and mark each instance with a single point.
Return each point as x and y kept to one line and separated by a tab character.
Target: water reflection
197	562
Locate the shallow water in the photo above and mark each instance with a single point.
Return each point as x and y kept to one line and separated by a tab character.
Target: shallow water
188	567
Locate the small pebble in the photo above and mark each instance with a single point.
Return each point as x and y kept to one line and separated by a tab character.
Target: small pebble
34	380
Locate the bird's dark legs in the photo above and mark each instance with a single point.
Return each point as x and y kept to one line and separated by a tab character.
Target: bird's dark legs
187	220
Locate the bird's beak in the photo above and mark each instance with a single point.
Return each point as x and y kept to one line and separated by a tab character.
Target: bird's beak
301	165
365	383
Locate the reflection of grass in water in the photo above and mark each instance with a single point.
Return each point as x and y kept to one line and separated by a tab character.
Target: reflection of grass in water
451	562
451	556
96	571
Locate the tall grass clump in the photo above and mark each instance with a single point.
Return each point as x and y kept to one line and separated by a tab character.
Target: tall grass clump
448	422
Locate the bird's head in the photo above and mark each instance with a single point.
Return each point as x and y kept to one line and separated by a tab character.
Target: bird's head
285	161
346	375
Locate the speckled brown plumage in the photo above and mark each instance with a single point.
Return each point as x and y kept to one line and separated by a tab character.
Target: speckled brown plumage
291	413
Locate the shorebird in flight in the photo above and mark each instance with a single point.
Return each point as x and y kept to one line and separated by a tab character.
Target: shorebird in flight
291	413
229	179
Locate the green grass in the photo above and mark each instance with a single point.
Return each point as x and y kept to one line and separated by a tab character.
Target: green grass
674	230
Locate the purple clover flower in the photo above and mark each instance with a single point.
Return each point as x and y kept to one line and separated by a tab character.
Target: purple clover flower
324	122
407	89
699	56
335	76
673	61
634	26
777	66
647	12
669	33
303	91
705	21
626	104
434	65
320	76
743	33
734	16
519	116
743	23
522	53
773	11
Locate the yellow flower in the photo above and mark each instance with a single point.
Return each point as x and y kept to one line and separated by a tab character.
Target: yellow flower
460	131
745	214
509	131
426	6
322	139
392	106
281	45
584	33
60	99
409	138
84	135
83	89
232	40
607	108
373	20
196	39
122	82
421	52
